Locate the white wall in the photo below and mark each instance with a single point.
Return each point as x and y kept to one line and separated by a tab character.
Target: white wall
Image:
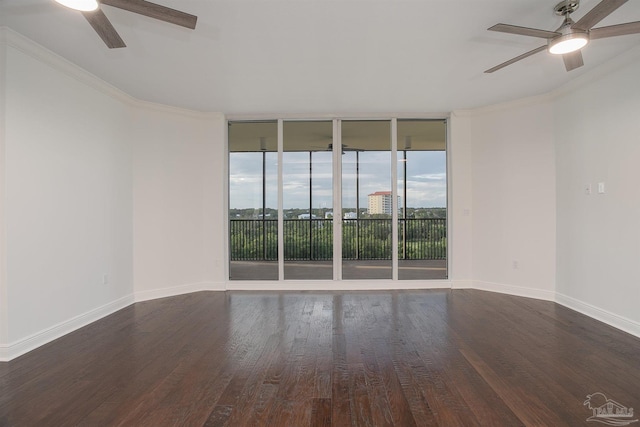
503	227
77	151
68	200
4	306
179	177
513	181
460	200
597	130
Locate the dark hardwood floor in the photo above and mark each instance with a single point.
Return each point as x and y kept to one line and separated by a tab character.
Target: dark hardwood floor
402	358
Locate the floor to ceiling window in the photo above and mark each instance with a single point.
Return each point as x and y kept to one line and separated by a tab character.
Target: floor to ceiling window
367	201
422	188
352	199
307	199
253	202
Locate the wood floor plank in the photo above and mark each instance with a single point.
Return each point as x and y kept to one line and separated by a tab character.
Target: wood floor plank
394	358
341	408
254	394
262	405
321	413
219	416
406	406
374	384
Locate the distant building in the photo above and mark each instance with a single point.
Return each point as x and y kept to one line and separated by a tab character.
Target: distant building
306	216
381	202
350	215
328	215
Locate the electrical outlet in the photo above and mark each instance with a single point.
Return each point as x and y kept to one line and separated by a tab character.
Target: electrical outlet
516	265
105	279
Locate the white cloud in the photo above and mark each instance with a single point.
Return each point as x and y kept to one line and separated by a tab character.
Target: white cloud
426	180
429	177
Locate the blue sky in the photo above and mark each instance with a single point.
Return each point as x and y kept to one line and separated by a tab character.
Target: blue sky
426	178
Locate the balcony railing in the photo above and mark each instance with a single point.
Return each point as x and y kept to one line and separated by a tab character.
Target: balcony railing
362	239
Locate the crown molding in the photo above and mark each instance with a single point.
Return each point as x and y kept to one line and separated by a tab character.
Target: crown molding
505	106
621	61
617	63
28	47
14	40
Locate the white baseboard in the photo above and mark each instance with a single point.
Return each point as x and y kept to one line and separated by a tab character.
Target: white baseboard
25	345
514	290
462	284
597	313
335	285
178	290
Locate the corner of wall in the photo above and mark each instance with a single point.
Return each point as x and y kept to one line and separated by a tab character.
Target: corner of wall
519	291
459	171
596	132
4	307
177	189
151	294
462	284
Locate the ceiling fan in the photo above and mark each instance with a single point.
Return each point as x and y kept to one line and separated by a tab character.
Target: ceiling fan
329	147
101	24
571	36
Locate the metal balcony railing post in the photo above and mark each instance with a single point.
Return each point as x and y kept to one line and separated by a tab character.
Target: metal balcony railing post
249	238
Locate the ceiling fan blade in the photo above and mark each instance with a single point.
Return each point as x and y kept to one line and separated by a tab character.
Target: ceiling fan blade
615	30
155	11
516	59
105	30
573	60
597	14
523	31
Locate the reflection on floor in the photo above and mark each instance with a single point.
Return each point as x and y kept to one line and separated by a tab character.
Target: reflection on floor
323	270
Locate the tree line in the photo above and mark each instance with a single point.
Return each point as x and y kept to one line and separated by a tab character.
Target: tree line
320	213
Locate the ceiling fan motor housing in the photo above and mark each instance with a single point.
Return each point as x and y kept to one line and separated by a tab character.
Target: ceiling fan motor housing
569	40
564	8
569	35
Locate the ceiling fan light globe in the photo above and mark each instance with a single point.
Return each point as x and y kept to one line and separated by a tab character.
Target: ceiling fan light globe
568	43
81	5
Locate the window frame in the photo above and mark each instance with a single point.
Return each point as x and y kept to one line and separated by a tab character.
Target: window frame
337	192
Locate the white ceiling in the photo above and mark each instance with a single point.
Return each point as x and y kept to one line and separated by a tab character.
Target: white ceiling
320	56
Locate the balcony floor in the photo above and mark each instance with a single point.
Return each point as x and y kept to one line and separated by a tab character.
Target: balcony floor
322	270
